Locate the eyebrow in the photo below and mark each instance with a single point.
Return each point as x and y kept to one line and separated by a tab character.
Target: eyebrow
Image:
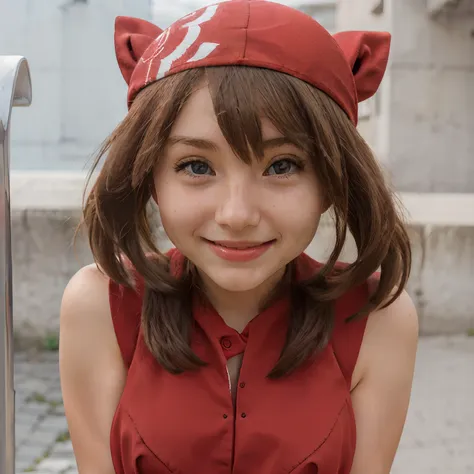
209	145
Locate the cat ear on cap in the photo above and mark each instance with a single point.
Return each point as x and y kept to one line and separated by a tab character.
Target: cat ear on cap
367	53
132	38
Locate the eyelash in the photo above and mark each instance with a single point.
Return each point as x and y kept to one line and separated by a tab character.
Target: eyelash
181	167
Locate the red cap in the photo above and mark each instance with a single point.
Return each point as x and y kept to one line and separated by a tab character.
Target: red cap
348	66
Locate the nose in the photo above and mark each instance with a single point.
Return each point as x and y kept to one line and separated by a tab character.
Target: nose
239	207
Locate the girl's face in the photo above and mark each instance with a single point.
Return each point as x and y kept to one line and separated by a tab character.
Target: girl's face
240	224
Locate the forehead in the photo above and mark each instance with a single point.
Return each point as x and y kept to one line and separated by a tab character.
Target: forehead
198	118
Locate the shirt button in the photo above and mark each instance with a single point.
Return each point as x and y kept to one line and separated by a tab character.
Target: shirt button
242	385
226	343
225	416
244	415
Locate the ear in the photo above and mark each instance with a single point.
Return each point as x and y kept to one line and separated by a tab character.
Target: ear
132	37
367	53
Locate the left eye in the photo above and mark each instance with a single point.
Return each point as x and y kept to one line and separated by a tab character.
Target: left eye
282	167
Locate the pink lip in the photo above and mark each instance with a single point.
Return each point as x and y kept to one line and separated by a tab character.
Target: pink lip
241	251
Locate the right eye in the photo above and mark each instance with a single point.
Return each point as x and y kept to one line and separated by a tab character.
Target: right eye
195	168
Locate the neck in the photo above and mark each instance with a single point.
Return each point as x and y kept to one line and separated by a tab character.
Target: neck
238	308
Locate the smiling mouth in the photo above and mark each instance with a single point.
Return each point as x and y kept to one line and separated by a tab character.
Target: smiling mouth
239	245
239	251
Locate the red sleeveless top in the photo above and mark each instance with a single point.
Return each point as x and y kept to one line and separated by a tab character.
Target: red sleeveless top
302	423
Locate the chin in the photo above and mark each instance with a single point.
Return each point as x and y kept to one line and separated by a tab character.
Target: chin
238	279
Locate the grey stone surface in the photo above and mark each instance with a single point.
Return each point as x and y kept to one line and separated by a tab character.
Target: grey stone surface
438	437
439	434
42	438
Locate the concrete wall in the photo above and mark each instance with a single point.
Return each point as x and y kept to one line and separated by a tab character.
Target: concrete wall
46	213
78	92
423	133
432	113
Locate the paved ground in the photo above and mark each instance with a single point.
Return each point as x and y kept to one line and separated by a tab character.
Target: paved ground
438	438
439	434
42	438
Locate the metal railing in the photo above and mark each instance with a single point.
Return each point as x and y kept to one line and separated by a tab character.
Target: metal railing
15	91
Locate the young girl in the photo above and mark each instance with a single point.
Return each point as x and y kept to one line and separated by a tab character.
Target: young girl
235	352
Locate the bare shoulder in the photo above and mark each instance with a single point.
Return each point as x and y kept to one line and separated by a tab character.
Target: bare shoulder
87	288
84	307
390	331
91	367
398	320
86	327
382	383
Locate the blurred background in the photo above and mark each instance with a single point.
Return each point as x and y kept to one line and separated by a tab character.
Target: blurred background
420	125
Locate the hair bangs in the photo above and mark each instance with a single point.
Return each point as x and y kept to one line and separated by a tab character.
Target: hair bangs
243	96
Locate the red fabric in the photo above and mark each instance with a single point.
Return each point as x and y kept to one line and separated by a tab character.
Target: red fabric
367	53
256	33
132	37
303	423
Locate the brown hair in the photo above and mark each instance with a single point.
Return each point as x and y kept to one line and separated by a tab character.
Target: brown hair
116	217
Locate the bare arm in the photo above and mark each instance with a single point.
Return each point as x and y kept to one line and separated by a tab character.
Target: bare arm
91	367
385	374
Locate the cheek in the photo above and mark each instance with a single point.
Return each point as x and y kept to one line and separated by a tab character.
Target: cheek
179	212
175	214
300	227
298	212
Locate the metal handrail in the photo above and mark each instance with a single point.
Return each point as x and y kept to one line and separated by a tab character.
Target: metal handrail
15	91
